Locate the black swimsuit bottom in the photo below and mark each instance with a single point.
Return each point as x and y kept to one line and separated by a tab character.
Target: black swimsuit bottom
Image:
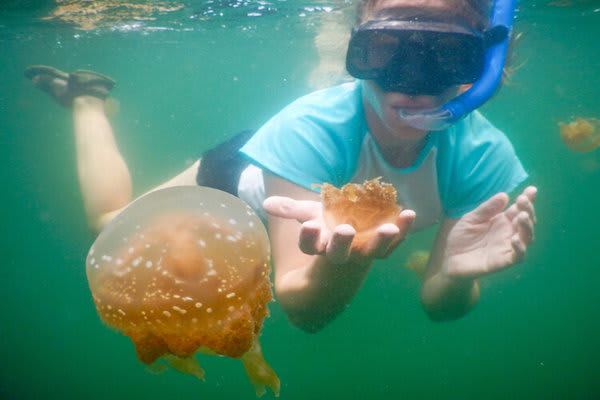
221	166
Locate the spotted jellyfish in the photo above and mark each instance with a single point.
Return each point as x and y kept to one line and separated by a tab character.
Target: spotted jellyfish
185	270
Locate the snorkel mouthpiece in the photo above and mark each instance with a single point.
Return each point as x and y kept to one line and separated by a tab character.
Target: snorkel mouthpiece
453	111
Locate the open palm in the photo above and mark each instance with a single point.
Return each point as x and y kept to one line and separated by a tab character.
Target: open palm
491	238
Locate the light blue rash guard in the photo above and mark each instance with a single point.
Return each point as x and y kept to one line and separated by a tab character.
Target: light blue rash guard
323	137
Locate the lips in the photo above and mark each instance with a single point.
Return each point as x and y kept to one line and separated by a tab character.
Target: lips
398	101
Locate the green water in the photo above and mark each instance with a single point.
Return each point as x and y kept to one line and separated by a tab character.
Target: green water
203	77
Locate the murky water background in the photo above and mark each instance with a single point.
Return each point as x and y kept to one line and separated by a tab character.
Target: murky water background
199	74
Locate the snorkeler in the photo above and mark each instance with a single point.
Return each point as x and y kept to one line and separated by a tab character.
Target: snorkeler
422	68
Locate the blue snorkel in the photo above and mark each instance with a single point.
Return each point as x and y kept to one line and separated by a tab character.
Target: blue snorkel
451	112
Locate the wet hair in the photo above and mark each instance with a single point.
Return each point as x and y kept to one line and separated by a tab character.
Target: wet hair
472	12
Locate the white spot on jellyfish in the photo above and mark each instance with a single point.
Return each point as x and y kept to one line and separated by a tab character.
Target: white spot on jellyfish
137	226
231	308
147	245
148	264
130	250
211	272
179	310
198	305
136	261
166	313
251	224
202	243
121	311
195	320
91	251
119	261
223	205
215	225
187	298
230	295
93	261
232	221
209	310
106	258
209	262
218	235
97	266
231	238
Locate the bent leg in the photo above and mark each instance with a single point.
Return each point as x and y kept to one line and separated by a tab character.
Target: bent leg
104	178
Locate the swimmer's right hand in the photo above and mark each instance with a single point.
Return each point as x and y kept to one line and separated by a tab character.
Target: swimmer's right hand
336	244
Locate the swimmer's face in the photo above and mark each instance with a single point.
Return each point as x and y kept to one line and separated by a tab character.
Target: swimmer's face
386	104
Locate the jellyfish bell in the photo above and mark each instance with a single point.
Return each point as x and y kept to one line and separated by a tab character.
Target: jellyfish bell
364	206
581	135
185	270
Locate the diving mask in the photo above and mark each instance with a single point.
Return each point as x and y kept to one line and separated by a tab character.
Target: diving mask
426	58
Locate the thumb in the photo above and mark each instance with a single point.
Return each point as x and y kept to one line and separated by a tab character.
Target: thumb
490	208
286	207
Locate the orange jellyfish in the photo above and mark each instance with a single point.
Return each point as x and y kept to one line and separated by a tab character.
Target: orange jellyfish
417	262
365	207
185	270
581	135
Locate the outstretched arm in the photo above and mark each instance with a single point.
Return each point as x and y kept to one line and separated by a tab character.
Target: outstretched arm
318	271
486	240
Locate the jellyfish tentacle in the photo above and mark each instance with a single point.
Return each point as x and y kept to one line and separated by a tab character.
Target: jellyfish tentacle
187	365
259	372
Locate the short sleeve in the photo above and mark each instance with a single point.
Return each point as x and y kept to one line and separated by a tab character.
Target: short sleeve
316	139
476	161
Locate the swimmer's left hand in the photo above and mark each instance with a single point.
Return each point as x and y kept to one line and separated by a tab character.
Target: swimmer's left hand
491	238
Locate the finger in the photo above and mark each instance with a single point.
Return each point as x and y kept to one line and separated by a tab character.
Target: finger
338	248
490	208
404	222
310	240
383	238
530	192
519	249
524	225
523	202
286	207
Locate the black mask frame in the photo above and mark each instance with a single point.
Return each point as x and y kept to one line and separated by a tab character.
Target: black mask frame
419	58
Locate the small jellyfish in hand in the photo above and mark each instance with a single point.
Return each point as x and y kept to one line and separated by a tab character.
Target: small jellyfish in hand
581	135
365	207
185	270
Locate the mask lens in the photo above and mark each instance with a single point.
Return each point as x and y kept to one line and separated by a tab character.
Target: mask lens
459	57
370	52
415	61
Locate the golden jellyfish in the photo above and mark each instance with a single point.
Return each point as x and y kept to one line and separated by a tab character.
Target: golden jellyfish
581	135
365	207
417	262
185	270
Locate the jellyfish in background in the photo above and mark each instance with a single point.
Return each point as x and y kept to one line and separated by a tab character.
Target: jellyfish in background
185	270
417	262
581	135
